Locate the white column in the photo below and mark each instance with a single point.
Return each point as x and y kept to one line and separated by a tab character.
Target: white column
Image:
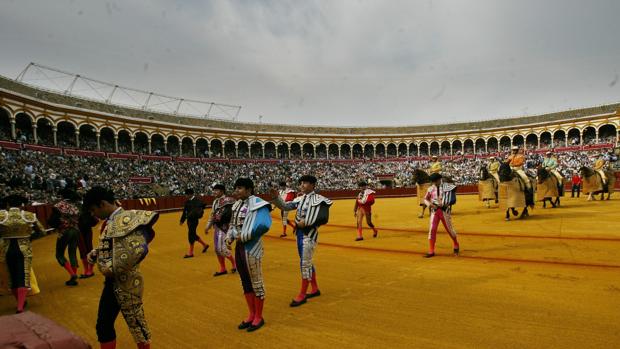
116	143
77	139
34	133
54	130
13	131
98	135
596	138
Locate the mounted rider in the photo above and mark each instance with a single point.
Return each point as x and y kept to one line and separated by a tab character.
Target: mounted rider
516	161
550	163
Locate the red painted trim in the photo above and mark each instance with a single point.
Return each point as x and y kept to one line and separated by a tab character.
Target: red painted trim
496	259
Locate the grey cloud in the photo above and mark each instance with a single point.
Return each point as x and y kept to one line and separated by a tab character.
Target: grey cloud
334	62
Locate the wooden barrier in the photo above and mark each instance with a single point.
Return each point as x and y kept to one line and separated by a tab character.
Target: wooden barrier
175	203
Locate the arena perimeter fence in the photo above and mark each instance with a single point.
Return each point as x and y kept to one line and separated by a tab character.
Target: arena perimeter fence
175	203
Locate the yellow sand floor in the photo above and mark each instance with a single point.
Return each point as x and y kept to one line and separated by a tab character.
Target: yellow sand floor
551	281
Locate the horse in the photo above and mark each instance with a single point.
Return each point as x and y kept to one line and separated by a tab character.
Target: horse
423	182
513	193
548	187
593	183
487	187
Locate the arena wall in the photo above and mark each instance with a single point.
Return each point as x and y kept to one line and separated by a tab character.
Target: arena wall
189	136
175	203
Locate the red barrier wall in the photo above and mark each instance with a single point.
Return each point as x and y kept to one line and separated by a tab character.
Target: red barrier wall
173	203
84	153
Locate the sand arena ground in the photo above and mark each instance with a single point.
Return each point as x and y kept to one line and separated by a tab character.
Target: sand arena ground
549	281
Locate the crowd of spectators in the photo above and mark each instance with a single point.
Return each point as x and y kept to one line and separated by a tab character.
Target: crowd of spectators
41	175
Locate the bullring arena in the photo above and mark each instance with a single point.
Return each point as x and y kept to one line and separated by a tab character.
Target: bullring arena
549	280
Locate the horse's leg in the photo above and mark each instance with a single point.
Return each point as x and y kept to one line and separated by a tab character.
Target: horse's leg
525	213
507	214
545	203
421	215
557	201
553	205
514	211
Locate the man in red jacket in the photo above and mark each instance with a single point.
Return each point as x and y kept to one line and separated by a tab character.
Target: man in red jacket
576	180
363	203
287	195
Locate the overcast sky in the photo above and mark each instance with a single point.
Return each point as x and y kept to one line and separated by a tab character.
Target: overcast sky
333	62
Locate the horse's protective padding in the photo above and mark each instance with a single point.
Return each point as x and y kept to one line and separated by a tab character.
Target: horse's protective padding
511	195
592	184
421	191
486	190
547	189
611	177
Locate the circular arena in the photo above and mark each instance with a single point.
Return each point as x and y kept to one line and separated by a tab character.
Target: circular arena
547	279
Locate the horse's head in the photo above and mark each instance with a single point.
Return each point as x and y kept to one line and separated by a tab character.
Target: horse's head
484	173
504	172
542	174
585	171
420	176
